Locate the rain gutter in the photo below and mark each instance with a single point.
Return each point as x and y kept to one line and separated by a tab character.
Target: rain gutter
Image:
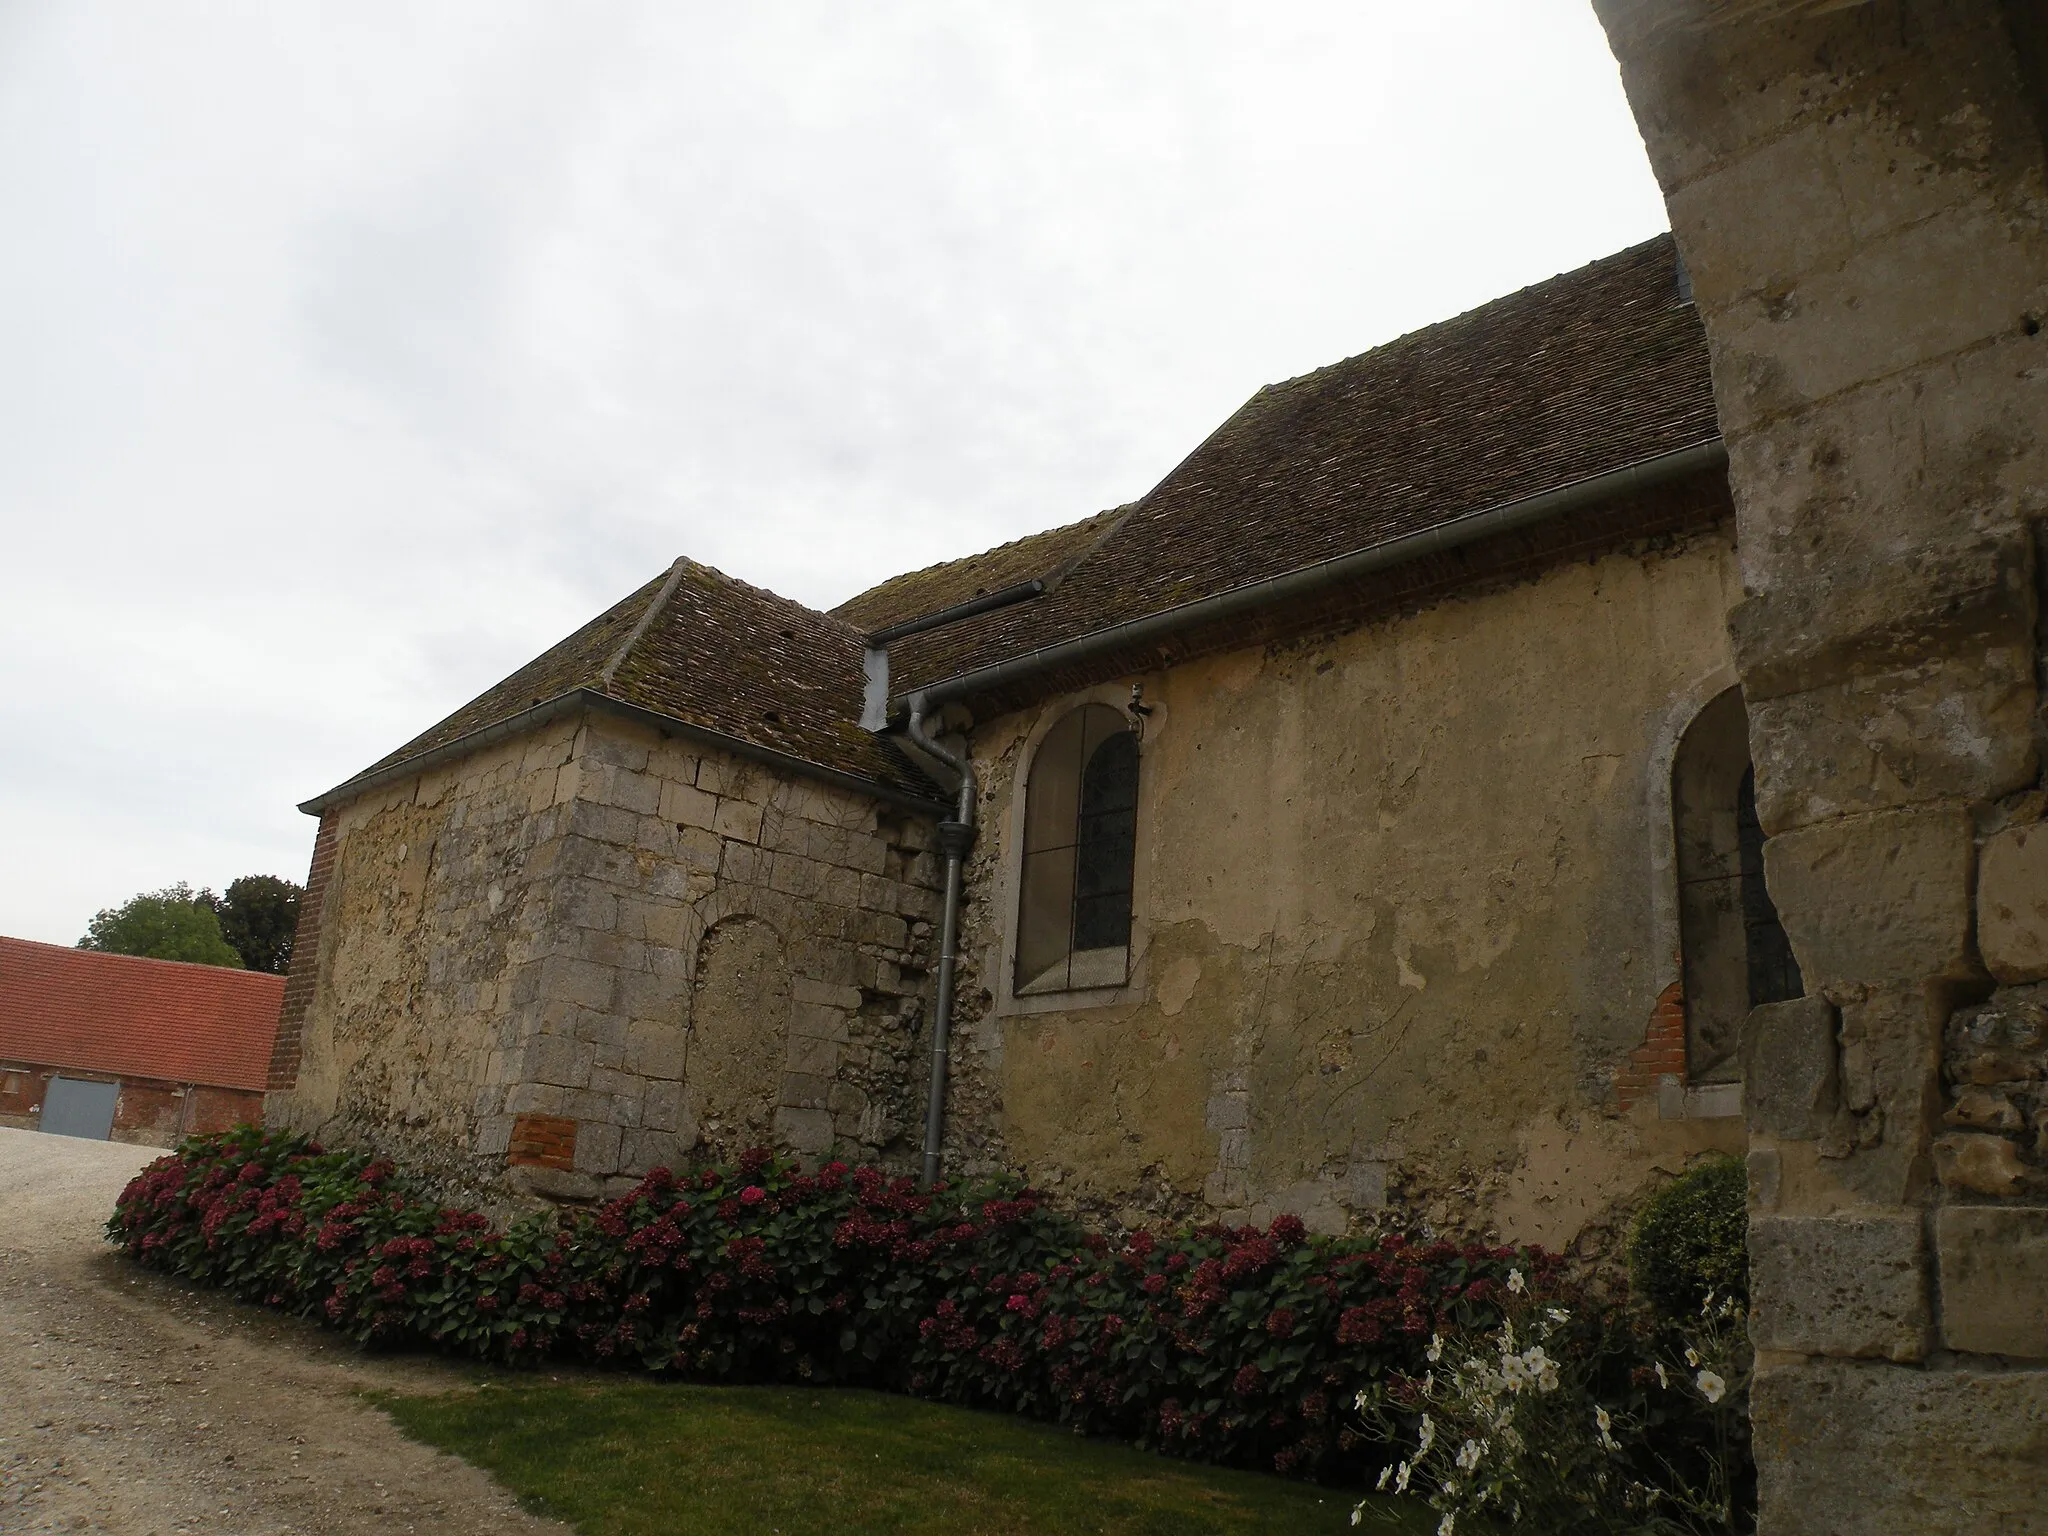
874	708
586	698
1643	475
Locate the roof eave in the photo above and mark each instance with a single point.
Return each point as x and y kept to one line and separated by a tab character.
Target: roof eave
549	710
1642	475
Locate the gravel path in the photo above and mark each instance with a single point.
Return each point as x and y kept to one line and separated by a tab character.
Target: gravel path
132	1404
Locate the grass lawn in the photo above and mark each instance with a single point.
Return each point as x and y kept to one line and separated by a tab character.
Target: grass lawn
638	1458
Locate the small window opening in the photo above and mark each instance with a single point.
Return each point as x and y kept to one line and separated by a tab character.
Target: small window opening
1080	845
1735	952
1773	970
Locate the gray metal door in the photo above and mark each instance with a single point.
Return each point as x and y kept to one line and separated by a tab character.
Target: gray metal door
73	1107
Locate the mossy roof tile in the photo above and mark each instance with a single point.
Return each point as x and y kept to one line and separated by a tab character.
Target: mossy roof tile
1589	371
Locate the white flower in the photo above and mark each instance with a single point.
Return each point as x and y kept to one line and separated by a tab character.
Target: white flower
1448	1522
1358	1510
1359	1401
1606	1424
1427	1438
1539	1368
1559	1315
1435	1352
1692	1356
1707	1306
1428	1382
1469	1454
1401	1478
1712	1387
1663	1380
1516	1283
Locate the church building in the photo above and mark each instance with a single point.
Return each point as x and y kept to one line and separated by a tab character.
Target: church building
1361	820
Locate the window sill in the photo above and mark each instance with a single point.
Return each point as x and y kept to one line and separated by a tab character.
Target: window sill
1085	970
1705	1101
1099	978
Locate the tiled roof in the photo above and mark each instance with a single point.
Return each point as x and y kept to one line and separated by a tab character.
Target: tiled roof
746	663
575	662
93	1012
1045	556
1598	368
701	648
1588	372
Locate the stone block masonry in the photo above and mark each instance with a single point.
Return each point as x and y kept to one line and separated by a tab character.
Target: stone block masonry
1860	193
595	950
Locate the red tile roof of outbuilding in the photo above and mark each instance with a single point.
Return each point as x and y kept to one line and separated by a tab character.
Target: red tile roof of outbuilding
131	1017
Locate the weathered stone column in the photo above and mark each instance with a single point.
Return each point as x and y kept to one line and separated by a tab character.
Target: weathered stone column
1858	191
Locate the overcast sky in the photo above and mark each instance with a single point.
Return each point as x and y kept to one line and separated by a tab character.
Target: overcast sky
352	354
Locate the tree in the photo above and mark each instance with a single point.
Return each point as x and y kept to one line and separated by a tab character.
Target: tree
258	917
174	923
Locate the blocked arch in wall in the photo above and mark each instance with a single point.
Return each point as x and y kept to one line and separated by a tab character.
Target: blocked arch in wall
737	1033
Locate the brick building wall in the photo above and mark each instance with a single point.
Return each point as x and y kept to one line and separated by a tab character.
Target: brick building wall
148	1112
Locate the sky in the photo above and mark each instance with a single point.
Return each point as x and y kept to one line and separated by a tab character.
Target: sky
351	354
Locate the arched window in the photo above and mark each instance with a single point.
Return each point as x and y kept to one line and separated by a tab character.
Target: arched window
1080	837
1735	952
1773	969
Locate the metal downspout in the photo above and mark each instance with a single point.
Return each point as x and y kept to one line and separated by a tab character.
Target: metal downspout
955	838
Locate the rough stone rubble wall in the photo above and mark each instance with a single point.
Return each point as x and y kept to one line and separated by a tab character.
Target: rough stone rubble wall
434	907
1367	870
1859	194
590	950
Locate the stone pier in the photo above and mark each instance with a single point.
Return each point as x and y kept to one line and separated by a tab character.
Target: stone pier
1858	193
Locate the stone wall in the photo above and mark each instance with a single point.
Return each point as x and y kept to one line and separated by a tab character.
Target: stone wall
1859	194
1368	870
564	959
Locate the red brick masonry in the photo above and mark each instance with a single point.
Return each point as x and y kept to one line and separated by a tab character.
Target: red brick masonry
298	986
1661	1055
543	1141
149	1110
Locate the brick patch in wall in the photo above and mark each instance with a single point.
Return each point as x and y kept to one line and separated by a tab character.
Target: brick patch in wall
1661	1055
543	1141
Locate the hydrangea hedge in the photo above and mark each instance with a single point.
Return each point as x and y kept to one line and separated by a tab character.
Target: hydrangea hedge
1226	1344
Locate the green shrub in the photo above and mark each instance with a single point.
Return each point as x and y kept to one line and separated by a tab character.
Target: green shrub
1691	1240
1219	1343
